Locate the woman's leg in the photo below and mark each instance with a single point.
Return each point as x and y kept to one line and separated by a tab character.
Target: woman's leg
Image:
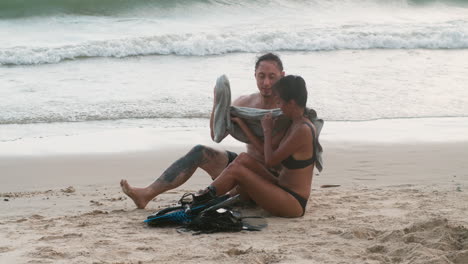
263	191
254	165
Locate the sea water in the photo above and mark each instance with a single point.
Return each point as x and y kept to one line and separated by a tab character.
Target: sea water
69	67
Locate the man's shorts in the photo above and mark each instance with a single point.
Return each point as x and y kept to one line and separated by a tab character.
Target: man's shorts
231	156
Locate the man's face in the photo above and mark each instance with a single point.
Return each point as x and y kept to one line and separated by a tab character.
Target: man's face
266	75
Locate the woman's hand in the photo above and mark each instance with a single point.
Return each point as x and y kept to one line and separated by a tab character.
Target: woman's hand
253	139
241	123
238	120
267	125
235	119
267	122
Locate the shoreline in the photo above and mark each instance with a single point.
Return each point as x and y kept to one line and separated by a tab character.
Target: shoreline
424	129
380	152
346	164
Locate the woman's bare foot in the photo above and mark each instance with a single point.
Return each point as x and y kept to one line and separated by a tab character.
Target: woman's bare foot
139	195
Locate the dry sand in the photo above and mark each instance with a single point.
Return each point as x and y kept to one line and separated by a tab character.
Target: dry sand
396	203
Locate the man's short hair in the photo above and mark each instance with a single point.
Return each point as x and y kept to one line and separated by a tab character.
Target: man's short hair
270	57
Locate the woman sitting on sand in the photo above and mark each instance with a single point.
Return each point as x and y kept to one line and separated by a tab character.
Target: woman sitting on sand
285	194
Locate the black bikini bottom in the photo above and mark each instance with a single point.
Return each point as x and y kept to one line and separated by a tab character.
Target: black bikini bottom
302	201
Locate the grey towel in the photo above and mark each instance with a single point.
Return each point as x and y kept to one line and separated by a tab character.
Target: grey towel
252	117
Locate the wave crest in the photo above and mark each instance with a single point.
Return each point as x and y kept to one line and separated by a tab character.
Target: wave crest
447	36
31	8
50	117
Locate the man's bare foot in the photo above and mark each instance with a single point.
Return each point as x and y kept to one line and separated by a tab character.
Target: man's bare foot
138	195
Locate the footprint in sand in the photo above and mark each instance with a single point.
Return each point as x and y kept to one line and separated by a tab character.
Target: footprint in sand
65	236
96	203
69	189
37	217
5	249
432	240
48	252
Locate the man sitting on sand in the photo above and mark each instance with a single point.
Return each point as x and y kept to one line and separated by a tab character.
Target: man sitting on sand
268	70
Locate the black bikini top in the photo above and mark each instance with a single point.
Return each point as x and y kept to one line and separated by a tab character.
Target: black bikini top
291	163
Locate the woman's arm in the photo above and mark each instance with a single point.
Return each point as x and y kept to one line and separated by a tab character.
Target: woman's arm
267	125
253	139
297	139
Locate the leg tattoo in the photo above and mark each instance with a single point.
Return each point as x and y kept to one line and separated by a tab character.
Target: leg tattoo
174	176
181	170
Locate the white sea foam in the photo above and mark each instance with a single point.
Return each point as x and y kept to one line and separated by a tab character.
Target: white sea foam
387	59
28	8
107	28
450	35
343	85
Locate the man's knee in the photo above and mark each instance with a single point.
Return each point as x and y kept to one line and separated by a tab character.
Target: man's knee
197	149
202	151
207	158
197	154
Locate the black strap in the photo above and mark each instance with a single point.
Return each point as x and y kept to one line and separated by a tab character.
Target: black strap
314	140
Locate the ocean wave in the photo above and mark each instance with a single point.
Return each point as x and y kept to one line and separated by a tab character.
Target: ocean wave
76	116
192	108
29	8
450	35
57	118
32	8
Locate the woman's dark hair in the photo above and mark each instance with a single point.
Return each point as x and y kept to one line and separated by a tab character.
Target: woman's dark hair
270	57
292	87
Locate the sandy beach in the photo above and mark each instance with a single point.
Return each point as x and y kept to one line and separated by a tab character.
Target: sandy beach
96	91
400	202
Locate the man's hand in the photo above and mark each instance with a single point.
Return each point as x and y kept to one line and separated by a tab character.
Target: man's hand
212	114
